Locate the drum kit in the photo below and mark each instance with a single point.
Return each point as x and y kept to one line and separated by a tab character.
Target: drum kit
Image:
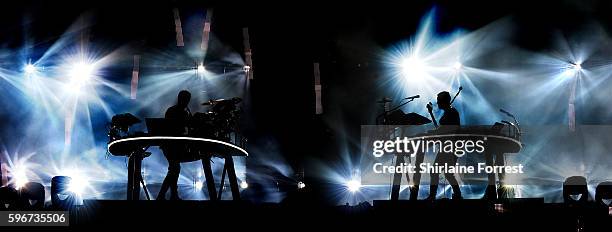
221	122
212	133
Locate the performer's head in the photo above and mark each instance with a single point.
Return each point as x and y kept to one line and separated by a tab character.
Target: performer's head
183	98
444	100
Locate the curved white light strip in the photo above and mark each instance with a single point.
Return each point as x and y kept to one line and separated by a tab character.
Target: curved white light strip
178	138
467	135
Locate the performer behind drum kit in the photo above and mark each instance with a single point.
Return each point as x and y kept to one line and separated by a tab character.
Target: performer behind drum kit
180	116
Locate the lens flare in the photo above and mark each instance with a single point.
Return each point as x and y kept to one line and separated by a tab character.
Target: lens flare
353	185
29	69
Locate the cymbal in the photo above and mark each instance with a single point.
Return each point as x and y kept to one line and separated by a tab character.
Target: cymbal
234	100
126	119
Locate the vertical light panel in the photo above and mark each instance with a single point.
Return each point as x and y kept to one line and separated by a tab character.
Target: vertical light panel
135	75
68	123
317	88
178	28
4	175
247	53
206	32
571	109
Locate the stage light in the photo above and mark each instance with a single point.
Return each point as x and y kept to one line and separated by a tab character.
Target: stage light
198	185
572	68
19	176
603	193
9	198
353	185
575	190
61	197
412	66
32	195
301	185
19	183
244	184
79	74
77	184
577	67
81	71
201	68
29	69
246	68
457	66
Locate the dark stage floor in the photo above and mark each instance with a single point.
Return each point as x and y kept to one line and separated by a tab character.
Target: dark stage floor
465	215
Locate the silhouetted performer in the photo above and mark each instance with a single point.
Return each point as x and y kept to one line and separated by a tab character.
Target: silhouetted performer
449	119
178	116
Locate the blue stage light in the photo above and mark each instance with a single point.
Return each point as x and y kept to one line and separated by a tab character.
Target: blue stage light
77	185
198	185
201	68
19	177
577	67
29	69
457	66
412	66
353	185
81	72
244	185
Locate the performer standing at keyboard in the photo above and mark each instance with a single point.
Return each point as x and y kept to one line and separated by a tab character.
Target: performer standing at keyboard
450	120
179	116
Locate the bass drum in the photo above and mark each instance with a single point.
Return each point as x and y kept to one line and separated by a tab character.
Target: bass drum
204	126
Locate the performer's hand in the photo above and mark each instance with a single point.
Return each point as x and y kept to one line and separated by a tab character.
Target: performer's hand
430	107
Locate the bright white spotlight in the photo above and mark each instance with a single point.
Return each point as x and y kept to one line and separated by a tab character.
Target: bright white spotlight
353	185
457	66
29	69
80	74
81	71
412	66
199	185
301	185
244	184
246	68
77	184
20	176
201	68
577	67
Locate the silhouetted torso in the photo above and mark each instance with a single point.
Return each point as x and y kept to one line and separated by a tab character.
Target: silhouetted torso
449	122
450	117
179	118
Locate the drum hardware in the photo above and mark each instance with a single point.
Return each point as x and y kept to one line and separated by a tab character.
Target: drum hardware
219	125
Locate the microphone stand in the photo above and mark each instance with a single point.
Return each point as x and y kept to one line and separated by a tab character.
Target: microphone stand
397	177
394	109
400	105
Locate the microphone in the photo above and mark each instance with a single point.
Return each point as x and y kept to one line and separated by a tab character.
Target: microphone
413	97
